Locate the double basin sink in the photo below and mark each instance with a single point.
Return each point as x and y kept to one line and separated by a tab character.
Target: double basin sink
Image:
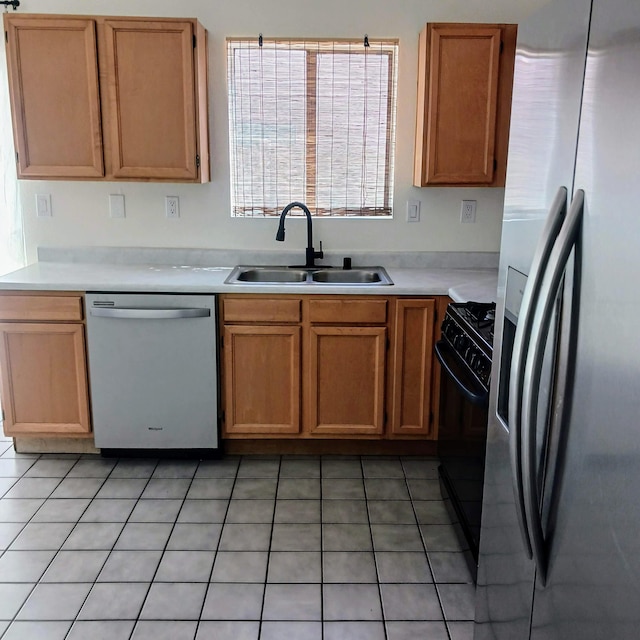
309	275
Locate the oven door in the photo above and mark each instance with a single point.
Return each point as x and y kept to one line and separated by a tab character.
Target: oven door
462	435
461	377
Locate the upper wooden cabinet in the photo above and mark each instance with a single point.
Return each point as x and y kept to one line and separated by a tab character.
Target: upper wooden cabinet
465	78
108	98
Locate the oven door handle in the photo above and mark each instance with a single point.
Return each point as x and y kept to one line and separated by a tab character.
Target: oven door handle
521	344
474	393
549	291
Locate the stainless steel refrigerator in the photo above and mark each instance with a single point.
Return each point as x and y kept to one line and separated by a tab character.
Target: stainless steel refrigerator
560	538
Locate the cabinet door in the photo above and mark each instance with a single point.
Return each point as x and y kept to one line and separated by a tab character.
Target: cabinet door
411	385
55	104
345	391
151	99
44	379
464	97
262	380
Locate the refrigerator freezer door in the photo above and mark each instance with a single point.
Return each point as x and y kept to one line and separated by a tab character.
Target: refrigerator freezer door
593	585
547	92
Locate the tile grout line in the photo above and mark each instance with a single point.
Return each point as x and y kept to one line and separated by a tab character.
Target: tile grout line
373	551
266	574
164	549
321	478
215	557
56	552
426	553
110	551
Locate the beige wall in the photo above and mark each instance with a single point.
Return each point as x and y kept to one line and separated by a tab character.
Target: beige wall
80	210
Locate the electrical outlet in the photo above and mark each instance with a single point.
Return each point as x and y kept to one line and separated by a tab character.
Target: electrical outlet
172	206
43	205
468	211
116	206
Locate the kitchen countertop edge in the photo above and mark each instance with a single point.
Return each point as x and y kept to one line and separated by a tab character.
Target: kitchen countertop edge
460	284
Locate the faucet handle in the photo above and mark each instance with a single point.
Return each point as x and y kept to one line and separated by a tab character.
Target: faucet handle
320	254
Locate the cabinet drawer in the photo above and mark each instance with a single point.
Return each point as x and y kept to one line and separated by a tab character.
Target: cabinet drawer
348	311
263	310
39	308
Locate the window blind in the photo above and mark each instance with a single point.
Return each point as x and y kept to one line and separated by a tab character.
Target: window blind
312	121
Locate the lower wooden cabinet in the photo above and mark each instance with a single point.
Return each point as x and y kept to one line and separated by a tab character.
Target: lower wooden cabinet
328	366
411	376
262	379
346	380
43	370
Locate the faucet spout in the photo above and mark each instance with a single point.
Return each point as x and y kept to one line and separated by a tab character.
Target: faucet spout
311	253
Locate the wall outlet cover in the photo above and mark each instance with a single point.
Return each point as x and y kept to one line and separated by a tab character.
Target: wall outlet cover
468	211
172	206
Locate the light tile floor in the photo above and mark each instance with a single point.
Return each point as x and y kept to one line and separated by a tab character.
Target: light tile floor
243	548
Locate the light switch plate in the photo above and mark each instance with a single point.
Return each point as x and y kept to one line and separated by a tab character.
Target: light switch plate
116	206
413	210
43	205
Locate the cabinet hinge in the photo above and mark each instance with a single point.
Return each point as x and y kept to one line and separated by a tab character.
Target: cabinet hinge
221	342
385	418
501	45
2	411
17	158
195	41
222	417
495	164
6	36
198	161
388	344
430	417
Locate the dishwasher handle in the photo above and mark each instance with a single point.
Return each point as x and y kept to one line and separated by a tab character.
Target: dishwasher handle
133	313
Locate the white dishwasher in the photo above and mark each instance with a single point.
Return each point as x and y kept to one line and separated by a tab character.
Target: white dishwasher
153	372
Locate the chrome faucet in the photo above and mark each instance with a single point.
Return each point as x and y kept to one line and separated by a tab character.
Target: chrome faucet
311	253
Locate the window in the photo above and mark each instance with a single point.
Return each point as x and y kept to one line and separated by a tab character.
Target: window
312	121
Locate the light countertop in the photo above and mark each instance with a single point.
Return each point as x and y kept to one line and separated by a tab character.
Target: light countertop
459	284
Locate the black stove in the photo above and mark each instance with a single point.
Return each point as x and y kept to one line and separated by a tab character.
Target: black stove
465	352
468	330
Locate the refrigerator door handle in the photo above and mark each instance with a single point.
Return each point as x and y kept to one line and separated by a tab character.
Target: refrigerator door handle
543	316
520	350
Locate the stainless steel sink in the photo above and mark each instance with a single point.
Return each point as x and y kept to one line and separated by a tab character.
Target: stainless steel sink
260	275
349	276
316	276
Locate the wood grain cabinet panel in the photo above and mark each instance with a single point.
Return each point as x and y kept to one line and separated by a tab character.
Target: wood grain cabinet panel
412	367
348	311
346	380
35	308
44	379
55	101
151	93
317	367
262	379
108	97
266	310
465	77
